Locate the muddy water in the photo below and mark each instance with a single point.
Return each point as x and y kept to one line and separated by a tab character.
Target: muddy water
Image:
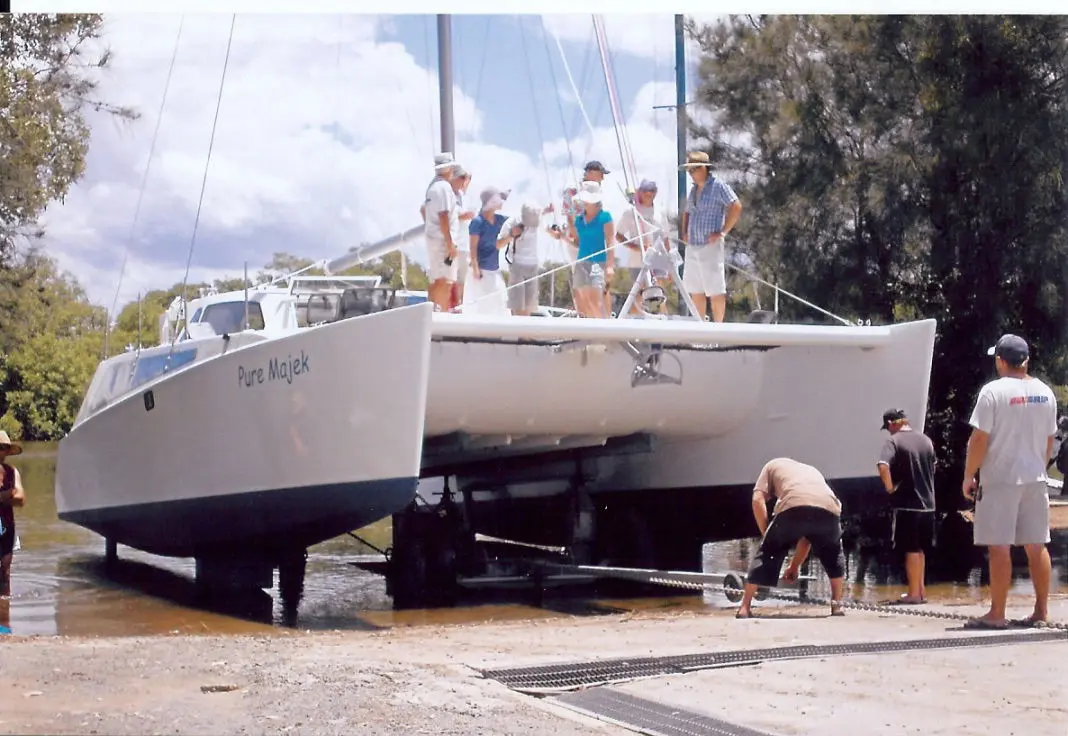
59	586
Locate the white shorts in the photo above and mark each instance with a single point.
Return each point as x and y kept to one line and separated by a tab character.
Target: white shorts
436	253
1012	515
462	264
485	295
704	271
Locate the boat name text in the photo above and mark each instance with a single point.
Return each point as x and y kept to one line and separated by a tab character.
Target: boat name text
278	369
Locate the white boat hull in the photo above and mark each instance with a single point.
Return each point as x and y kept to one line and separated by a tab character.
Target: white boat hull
233	453
812	393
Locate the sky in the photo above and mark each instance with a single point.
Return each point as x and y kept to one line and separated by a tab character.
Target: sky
326	129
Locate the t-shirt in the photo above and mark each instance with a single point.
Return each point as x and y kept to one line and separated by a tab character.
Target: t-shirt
440	198
459	233
591	236
526	245
1020	414
794	485
910	456
489	258
653	218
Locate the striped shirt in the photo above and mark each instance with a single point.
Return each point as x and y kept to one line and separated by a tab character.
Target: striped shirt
708	214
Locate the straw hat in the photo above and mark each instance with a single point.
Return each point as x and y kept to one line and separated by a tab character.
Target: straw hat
14	447
696	159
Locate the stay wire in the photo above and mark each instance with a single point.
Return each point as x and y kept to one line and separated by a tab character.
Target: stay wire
207	166
144	184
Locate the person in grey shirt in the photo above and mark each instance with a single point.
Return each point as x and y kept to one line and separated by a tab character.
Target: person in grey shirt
1014	420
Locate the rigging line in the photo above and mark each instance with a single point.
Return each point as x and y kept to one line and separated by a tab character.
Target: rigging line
207	165
337	79
556	96
429	84
574	88
622	140
144	183
537	117
585	77
611	98
482	64
619	103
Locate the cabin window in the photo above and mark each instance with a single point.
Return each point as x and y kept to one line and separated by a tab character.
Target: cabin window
229	317
155	365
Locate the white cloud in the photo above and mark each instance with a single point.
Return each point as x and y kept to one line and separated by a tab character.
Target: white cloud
315	151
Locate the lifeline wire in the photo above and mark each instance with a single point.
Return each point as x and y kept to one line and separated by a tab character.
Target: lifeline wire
207	165
144	183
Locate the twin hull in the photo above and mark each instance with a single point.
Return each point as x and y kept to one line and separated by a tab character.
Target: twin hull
228	453
238	452
736	407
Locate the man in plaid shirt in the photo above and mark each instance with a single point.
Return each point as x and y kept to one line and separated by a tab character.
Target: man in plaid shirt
712	209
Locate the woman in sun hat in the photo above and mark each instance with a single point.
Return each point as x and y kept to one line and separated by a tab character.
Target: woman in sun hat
594	231
11	495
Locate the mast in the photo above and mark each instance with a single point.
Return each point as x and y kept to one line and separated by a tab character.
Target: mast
680	111
448	132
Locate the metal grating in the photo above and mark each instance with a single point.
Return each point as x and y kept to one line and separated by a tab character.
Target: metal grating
649	716
562	677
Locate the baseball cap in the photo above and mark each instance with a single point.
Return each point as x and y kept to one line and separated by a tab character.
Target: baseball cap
1011	348
596	166
892	415
647	186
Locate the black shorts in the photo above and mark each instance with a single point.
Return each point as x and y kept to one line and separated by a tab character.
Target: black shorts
7	540
913	531
823	531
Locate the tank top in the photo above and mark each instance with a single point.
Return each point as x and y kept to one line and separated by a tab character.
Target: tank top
7	512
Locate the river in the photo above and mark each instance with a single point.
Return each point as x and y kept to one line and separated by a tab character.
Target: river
59	586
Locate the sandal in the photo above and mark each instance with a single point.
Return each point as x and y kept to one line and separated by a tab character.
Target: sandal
982	623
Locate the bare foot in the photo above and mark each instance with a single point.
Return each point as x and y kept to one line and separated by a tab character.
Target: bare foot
744	613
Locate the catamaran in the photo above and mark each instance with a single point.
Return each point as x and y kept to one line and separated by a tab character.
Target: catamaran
276	417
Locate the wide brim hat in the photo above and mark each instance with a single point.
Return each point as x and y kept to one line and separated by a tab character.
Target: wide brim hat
696	159
16	448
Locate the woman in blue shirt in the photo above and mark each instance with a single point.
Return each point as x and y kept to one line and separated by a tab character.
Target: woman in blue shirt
484	278
593	230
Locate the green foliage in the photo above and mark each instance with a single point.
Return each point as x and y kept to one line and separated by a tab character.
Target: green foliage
47	80
903	167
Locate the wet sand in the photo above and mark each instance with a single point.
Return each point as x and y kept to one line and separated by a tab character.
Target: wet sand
425	679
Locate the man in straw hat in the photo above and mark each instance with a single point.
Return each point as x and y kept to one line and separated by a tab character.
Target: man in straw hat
11	495
712	209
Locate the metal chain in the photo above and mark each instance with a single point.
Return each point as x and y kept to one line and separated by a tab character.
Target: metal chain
781	594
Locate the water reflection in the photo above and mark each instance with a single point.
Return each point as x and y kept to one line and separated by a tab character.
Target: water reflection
60	586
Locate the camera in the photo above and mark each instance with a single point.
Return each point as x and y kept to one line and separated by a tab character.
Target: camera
448	260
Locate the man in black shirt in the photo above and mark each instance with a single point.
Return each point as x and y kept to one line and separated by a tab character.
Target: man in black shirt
907	466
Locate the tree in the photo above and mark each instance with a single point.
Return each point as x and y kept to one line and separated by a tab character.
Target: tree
50	340
48	73
904	167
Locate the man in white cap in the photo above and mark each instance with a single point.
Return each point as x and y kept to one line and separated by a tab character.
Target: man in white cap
1014	421
11	495
441	217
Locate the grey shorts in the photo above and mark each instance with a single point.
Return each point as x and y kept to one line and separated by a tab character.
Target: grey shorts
589	274
522	298
1012	515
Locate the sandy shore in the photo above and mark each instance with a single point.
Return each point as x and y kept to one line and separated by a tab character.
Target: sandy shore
424	679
